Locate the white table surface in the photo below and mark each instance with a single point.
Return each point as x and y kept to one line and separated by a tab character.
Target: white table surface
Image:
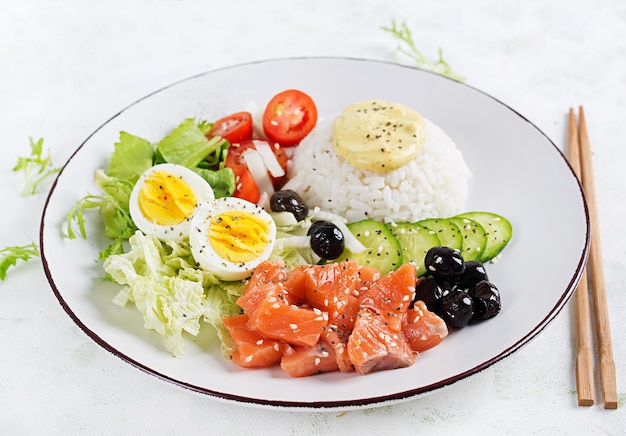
67	66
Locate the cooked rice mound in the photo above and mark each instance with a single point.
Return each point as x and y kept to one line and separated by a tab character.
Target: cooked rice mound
434	184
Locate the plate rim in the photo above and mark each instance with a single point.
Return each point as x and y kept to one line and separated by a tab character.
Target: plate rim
373	401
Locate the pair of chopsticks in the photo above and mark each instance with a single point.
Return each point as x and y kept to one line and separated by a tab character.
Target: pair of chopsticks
579	151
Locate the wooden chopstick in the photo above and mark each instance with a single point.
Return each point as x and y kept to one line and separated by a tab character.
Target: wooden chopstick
595	269
584	361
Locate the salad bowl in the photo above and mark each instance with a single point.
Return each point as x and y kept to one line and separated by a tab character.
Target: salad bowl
518	172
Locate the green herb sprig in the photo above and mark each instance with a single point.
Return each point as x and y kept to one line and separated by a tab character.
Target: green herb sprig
408	48
10	255
35	167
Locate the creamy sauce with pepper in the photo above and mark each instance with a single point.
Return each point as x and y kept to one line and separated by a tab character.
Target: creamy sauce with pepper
378	135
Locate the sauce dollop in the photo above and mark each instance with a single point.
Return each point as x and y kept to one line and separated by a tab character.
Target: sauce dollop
378	135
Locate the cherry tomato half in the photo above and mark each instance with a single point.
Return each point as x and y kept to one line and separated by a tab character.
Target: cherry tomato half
233	128
289	117
245	186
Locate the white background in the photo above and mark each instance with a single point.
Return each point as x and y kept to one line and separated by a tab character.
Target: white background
68	66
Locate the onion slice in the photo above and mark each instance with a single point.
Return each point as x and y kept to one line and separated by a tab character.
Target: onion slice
258	170
269	158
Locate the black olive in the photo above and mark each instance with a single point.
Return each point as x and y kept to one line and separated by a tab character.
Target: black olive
444	263
430	291
486	300
289	201
474	273
457	308
327	241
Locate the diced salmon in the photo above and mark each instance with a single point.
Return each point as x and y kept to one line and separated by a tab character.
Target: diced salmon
333	317
374	346
295	283
251	349
338	340
305	361
367	277
391	295
268	271
345	317
423	329
254	296
328	287
276	319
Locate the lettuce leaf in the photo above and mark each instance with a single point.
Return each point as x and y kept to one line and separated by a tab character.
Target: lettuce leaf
187	145
222	181
113	206
130	158
172	295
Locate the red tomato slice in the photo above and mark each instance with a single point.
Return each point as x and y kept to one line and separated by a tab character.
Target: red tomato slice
289	117
233	128
245	186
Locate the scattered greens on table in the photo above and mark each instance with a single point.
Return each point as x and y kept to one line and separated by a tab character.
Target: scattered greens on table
10	255
35	168
408	48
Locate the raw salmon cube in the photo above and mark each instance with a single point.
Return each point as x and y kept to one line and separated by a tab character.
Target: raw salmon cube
276	319
391	295
424	329
374	346
338	340
305	361
251	349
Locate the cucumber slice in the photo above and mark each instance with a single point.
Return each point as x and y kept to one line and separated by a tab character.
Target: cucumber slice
383	251
474	238
449	233
415	241
499	231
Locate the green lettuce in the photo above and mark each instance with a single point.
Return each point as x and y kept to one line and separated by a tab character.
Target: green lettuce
10	255
222	181
130	158
187	145
35	168
172	295
113	205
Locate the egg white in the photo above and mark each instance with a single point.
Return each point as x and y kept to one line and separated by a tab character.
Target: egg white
176	232
200	243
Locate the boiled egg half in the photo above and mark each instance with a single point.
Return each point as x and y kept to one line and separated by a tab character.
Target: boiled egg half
165	198
229	237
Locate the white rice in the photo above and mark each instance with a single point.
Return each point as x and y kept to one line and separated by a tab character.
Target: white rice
434	184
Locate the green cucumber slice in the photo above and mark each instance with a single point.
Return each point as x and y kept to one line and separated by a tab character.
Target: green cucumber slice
474	238
447	231
383	251
415	241
499	232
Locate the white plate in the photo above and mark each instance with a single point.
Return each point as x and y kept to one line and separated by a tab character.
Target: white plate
518	173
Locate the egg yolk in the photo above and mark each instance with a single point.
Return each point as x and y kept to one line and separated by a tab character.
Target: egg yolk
238	236
166	199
